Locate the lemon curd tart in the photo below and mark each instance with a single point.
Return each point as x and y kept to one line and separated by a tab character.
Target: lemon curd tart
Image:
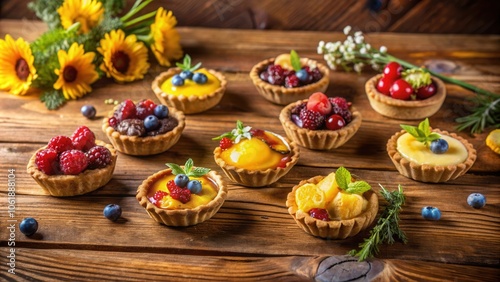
191	88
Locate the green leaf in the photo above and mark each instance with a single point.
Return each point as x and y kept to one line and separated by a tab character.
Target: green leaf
358	187
176	169
424	126
199	171
295	60
195	67
433	136
188	166
186	64
342	178
188	169
412	130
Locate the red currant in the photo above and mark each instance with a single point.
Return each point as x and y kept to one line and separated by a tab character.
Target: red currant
384	85
401	90
425	92
335	122
225	143
320	214
393	71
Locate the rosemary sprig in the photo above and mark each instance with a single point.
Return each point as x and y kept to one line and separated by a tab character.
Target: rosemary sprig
387	226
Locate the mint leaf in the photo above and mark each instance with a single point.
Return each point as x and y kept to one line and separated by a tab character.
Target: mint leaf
343	178
188	170
358	187
176	169
195	67
186	64
188	166
295	60
424	126
433	136
412	130
198	172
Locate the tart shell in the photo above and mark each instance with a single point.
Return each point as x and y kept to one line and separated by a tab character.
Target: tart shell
333	229
430	173
73	185
181	217
401	109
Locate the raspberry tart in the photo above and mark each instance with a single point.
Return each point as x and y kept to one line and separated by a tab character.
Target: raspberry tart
320	122
182	195
254	157
412	94
430	155
190	89
288	78
145	128
333	207
75	165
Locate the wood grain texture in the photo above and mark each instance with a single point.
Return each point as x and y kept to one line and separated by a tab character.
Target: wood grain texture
253	237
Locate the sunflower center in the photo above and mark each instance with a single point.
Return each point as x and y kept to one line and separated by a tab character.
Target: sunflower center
120	61
69	74
22	69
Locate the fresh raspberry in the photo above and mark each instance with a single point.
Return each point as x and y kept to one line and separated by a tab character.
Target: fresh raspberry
60	143
83	138
225	143
315	74
158	196
98	157
320	214
113	122
145	108
341	102
125	110
288	73
311	119
297	109
73	162
292	81
47	161
181	194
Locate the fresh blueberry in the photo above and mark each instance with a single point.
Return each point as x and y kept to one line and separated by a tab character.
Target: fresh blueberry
181	180
151	122
302	75
476	200
161	111
177	80
194	186
431	213
88	111
112	212
439	146
186	74
296	119
200	78
28	226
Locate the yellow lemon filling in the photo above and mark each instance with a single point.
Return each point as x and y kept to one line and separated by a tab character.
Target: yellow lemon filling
208	193
191	88
493	140
417	152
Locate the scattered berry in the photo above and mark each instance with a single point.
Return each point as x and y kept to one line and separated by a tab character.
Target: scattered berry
125	110
335	122
292	81
311	119
28	226
181	194
112	212
145	108
425	92
315	74
186	74
439	146
47	161
194	186
345	114
181	180
151	122
401	90
98	157
88	111
303	76
431	213
83	138
319	103
200	78
320	214
177	80
73	162
60	143
393	71
161	111
225	143
476	200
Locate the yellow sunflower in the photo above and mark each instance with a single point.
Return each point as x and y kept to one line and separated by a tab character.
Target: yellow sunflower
76	73
125	58
166	41
16	66
87	12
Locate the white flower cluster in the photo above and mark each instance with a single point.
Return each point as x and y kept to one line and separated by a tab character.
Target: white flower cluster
352	54
241	132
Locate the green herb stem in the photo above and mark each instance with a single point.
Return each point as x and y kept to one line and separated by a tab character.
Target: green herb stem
137	7
140	19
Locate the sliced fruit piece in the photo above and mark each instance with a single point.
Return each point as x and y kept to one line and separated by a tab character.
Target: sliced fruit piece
275	143
284	61
345	206
329	186
309	196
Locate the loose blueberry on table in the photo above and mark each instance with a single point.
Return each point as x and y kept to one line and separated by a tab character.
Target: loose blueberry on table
28	226
88	111
112	212
476	200
431	213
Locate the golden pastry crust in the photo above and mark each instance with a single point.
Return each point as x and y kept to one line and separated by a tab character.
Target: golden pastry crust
181	217
401	109
144	146
430	173
333	229
318	139
73	185
189	104
281	95
257	178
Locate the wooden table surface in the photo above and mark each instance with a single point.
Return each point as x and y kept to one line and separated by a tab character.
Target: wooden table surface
252	237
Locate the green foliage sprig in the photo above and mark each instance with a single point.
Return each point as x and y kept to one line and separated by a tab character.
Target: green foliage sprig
343	178
236	134
188	169
422	133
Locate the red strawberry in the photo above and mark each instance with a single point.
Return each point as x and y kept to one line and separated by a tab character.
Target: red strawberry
83	138
125	110
319	102
47	161
60	143
320	214
311	119
145	108
73	162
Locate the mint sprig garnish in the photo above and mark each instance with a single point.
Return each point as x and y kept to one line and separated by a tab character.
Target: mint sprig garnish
188	169
422	133
343	179
417	77
295	61
186	64
236	134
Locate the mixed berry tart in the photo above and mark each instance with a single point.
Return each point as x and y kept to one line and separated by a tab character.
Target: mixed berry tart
405	94
320	122
288	78
254	157
73	165
190	89
335	206
430	155
182	195
143	128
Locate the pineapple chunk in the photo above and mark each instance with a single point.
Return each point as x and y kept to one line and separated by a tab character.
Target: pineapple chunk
308	196
329	186
345	206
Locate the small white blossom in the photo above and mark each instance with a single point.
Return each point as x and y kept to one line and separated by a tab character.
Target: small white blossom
376	55
321	43
350	39
383	49
358	67
358	33
359	39
368	46
347	29
362	50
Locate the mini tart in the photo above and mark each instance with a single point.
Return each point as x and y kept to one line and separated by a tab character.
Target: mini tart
257	178
189	104
430	173
318	139
181	217
73	185
144	146
333	229
281	95
401	109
